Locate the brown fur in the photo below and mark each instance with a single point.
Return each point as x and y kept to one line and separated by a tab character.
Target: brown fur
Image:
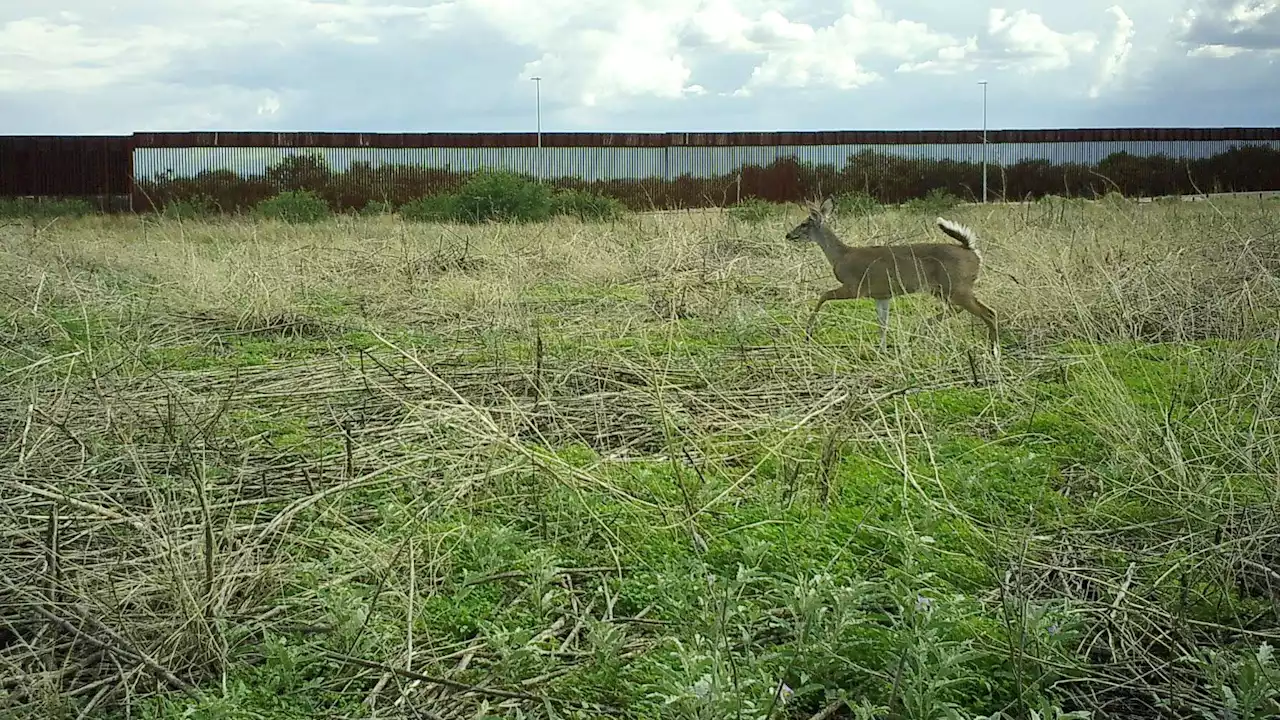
944	270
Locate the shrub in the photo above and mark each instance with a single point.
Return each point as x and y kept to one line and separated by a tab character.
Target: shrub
755	210
432	208
935	201
43	208
294	206
377	207
504	197
586	205
199	206
858	204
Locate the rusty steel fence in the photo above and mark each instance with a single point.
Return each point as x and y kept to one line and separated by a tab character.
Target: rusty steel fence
235	170
94	168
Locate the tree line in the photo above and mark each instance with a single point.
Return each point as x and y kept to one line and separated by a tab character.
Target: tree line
889	179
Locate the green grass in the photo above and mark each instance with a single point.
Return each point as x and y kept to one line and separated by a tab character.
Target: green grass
587	470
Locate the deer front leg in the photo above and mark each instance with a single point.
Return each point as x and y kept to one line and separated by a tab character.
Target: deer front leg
840	293
813	316
882	317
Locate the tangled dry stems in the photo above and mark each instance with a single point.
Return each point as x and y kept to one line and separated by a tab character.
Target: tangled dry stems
148	535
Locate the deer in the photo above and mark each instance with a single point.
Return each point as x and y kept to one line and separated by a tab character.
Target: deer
944	270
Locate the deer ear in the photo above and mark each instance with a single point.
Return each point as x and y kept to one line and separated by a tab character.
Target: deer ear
828	206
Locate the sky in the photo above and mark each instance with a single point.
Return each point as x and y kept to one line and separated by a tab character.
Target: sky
102	67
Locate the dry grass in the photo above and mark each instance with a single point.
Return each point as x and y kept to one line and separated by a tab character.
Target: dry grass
367	468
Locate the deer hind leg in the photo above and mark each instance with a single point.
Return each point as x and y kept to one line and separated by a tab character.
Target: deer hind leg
967	301
947	311
943	294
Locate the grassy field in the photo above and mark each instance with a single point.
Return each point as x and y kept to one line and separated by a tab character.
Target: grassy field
367	468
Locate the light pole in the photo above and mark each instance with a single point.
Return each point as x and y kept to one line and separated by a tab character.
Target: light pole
983	83
537	83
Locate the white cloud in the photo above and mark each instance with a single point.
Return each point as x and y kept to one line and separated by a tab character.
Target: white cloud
719	23
340	31
350	19
1028	45
638	56
424	65
536	24
1117	52
40	54
121	110
596	52
90	49
1215	51
1022	42
834	56
1226	28
948	61
774	30
270	105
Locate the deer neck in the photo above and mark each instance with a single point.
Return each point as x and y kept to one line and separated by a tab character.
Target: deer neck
831	245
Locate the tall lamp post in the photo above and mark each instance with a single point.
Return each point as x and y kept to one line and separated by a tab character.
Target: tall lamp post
984	140
537	82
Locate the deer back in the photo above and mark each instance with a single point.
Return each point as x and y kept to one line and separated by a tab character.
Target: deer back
882	271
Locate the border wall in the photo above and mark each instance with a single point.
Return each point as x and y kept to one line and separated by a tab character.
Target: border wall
144	171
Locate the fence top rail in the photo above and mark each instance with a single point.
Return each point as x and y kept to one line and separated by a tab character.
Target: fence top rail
64	143
693	139
72	143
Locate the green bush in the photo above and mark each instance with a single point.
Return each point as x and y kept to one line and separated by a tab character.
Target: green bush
935	201
755	210
377	207
858	204
294	206
199	206
503	197
586	205
432	208
44	209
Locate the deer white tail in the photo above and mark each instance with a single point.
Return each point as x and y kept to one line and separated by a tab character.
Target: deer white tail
961	234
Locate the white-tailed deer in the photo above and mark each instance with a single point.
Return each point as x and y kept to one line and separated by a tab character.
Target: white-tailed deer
943	270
